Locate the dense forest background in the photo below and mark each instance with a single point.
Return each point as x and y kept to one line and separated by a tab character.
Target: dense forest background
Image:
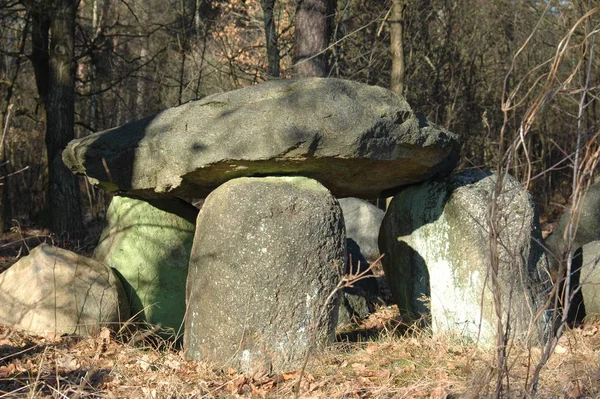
502	73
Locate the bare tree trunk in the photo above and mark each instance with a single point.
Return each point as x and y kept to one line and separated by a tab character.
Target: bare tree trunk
5	206
397	72
313	30
396	40
183	44
40	31
271	37
141	89
60	120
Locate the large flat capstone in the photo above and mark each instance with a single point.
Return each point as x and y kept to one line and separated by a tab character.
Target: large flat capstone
355	139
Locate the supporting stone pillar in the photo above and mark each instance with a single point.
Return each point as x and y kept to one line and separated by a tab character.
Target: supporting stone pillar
267	255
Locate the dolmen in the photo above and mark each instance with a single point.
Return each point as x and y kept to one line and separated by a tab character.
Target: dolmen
262	266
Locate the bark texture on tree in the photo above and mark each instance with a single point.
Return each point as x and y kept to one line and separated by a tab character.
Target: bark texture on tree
271	37
396	40
60	120
52	38
40	31
313	30
5	170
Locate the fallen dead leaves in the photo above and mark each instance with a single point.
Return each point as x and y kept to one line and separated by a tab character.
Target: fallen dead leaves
414	365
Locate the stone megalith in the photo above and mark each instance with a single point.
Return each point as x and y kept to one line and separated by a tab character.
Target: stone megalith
363	221
436	240
267	255
586	273
53	290
588	227
149	244
355	139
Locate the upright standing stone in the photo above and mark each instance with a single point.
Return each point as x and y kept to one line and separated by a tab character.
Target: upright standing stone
436	240
587	227
267	254
363	221
149	244
586	269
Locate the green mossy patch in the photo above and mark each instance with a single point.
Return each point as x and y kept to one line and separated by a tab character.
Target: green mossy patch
149	244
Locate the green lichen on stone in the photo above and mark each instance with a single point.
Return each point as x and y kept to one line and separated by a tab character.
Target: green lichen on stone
107	186
149	244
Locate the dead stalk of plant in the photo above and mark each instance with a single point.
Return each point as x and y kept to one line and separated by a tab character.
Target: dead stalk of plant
541	92
5	128
584	165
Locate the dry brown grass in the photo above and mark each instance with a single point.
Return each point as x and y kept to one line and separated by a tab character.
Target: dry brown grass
394	364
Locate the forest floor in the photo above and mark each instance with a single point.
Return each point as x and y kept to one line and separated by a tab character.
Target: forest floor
394	363
379	358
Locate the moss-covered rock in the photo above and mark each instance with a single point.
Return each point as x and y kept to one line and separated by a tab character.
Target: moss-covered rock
149	244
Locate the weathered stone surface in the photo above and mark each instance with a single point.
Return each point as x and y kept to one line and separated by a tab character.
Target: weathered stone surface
354	306
267	254
149	244
362	220
355	139
53	290
436	241
586	265
588	227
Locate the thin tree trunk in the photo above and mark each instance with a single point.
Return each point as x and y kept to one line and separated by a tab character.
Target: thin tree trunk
40	36
183	44
271	37
141	89
197	19
92	77
396	41
5	206
397	50
182	73
313	30
60	120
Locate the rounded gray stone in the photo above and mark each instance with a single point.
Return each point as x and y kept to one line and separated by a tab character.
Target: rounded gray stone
587	227
588	271
267	255
357	140
363	221
53	290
